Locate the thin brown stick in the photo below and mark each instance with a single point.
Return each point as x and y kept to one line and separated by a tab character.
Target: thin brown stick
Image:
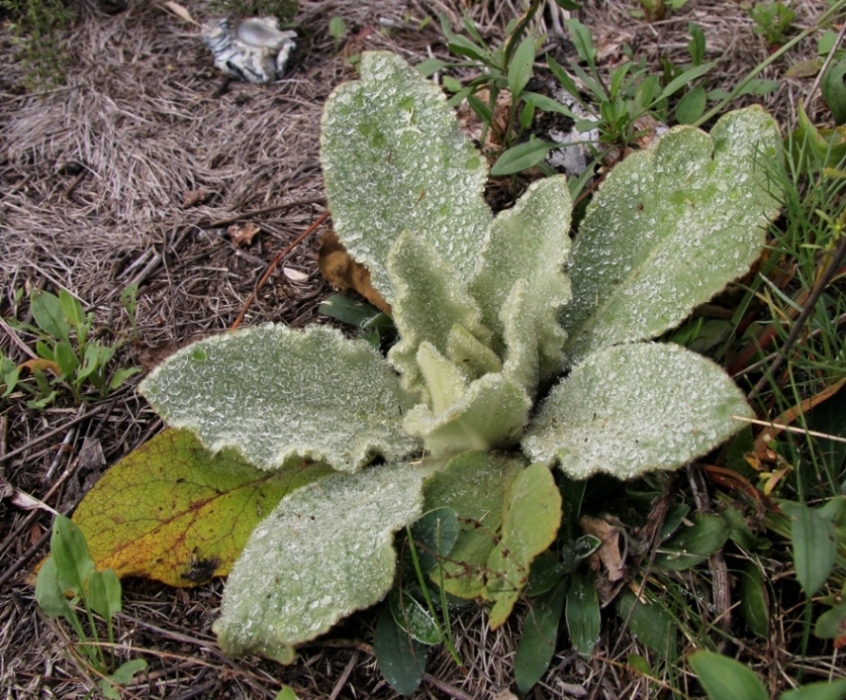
273	265
267	210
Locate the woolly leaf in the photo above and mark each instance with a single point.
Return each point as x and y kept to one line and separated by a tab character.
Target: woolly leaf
634	408
530	242
491	413
669	228
278	396
395	158
324	552
429	301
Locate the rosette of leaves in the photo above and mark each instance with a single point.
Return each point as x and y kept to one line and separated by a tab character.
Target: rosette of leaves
491	312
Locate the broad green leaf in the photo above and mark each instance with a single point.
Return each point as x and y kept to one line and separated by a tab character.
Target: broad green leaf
69	551
475	485
521	157
723	677
520	68
48	314
834	90
694	544
279	396
817	691
650	624
832	623
429	301
122	676
691	106
813	148
287	693
394	158
530	242
583	616
466	350
634	408
814	545
172	511
540	633
49	593
529	526
491	414
104	593
669	228
413	617
434	536
323	553
753	600
72	310
348	310
401	658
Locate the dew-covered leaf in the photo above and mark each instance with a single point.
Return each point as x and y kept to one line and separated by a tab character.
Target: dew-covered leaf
279	395
413	617
429	301
491	413
475	485
172	511
529	526
629	409
669	228
394	158
323	553
530	242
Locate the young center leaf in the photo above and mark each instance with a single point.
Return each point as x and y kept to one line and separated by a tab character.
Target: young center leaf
325	552
669	228
394	158
278	395
633	408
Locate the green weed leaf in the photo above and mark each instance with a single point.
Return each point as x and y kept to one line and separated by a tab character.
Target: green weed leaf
401	659
540	634
49	315
435	534
69	551
693	545
723	677
836	690
814	545
520	68
583	616
413	617
650	624
104	593
753	600
521	157
832	623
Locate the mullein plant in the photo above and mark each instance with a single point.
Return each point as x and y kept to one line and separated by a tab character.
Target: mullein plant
518	353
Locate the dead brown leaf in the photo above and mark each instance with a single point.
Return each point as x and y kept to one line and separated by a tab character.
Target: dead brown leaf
194	197
344	273
243	234
608	554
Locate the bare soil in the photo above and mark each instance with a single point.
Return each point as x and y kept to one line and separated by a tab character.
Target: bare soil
96	178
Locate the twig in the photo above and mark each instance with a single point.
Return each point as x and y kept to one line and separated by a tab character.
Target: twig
52	433
789	428
831	270
69	436
267	210
273	265
342	681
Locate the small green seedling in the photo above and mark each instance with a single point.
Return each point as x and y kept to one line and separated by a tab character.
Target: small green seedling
656	10
66	580
337	29
129	301
67	351
772	21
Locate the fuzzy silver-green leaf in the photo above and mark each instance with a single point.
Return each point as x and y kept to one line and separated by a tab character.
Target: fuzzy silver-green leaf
669	228
395	158
277	395
530	242
324	552
634	408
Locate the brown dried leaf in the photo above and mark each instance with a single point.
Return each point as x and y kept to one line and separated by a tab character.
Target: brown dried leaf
344	273
180	11
194	197
608	553
242	234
